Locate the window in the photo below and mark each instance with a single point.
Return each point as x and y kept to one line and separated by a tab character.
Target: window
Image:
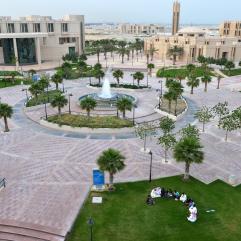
10	28
206	42
64	27
23	27
67	40
50	27
36	27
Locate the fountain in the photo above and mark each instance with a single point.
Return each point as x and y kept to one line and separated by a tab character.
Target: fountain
106	99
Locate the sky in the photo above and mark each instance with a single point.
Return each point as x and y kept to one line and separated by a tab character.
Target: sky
135	11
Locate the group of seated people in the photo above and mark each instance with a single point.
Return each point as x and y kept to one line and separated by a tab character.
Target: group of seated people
159	192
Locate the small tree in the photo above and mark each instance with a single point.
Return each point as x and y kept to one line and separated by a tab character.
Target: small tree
239	64
144	130
150	67
167	141
169	96
57	79
35	89
124	104
167	125
204	116
138	76
206	79
98	74
193	82
188	150
174	52
118	74
228	123
229	65
221	110
189	131
111	161
88	104
6	111
59	101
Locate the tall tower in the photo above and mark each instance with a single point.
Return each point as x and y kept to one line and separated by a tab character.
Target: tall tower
176	17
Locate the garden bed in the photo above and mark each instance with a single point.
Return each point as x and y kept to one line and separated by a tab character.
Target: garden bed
181	106
232	72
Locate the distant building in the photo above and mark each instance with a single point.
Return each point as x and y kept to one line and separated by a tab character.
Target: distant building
36	39
196	42
230	28
176	17
139	29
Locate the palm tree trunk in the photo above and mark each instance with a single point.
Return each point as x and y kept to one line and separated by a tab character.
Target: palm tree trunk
57	86
174	59
165	155
99	81
175	107
98	57
6	124
122	58
226	136
88	113
111	179
169	106
206	87
186	175
192	90
203	126
59	111
118	82
124	114
218	87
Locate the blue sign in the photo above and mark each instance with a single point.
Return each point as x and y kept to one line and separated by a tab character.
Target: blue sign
98	178
36	77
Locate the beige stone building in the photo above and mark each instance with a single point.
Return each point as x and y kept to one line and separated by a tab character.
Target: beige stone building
38	39
175	17
230	28
196	42
139	29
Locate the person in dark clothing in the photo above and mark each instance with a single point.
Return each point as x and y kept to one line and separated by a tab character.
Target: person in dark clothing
150	201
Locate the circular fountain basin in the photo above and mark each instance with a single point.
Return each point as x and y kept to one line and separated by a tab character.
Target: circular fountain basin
108	102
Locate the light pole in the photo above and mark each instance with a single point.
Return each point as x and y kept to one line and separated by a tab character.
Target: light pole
45	110
69	103
134	107
117	110
26	92
90	222
63	86
147	79
150	175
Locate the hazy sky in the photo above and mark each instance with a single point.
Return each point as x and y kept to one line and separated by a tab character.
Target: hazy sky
156	11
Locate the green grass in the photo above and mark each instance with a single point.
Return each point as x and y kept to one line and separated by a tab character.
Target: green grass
8	73
91	122
10	83
124	216
125	86
42	98
173	73
232	72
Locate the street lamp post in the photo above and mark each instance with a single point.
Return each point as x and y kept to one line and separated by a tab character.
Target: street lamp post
117	110
45	110
134	107
147	79
69	103
63	87
90	222
150	175
26	92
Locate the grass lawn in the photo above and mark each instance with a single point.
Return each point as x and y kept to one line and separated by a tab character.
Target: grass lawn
10	83
91	122
173	73
124	216
232	72
42	98
181	106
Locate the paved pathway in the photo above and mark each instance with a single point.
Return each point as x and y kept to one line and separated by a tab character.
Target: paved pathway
48	172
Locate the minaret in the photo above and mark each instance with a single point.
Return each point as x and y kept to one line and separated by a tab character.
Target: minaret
176	17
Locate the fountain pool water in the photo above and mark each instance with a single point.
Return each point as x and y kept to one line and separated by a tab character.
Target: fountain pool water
105	98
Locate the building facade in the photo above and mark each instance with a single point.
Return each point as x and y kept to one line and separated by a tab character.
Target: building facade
196	42
139	29
230	28
176	17
37	39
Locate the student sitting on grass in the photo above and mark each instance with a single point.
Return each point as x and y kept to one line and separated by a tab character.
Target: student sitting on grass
183	198
150	201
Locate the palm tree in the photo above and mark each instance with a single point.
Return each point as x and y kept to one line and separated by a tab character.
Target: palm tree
193	82
174	52
169	97
138	76
150	68
124	104
118	74
97	47
35	89
59	101
177	89
111	161
152	51
180	77
188	150
98	74
190	68
57	79
206	79
88	104
229	65
122	50
6	111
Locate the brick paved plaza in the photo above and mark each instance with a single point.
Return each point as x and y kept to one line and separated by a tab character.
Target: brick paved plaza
49	172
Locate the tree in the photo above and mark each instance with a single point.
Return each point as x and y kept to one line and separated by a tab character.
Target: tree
193	82
169	96
167	141
219	80
239	64
190	68
150	67
221	110
237	115
118	74
201	59
138	76
6	111
206	79
152	51
177	89
228	123
35	89
57	79
98	74
204	116
111	161
166	125
124	104
59	101
180	77
229	65
188	150
88	104
190	131
122	50
175	52
97	48
144	130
